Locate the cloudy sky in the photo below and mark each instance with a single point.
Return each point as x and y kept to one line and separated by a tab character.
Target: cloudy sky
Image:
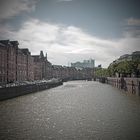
73	30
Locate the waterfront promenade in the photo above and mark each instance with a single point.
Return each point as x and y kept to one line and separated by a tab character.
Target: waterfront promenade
79	110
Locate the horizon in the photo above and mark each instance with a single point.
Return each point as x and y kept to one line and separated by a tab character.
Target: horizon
69	63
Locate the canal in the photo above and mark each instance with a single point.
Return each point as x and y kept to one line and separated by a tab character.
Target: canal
77	110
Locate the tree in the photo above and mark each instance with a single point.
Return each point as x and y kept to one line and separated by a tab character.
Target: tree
124	68
101	72
112	69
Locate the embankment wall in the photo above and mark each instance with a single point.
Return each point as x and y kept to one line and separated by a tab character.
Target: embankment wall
11	92
130	85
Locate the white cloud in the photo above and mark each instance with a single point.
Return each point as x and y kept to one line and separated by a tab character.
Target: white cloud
68	43
11	8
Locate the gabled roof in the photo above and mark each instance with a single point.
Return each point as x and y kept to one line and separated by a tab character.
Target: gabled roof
5	42
25	51
1	44
14	42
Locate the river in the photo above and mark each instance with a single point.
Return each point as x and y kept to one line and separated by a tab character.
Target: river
77	110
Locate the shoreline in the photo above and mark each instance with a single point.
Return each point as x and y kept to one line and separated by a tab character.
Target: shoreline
15	91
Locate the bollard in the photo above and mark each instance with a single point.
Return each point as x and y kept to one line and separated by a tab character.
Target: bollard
122	82
133	88
139	88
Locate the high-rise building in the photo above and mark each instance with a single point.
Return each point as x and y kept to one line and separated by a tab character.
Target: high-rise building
85	64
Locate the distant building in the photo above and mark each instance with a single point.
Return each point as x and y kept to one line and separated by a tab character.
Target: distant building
99	66
135	56
85	64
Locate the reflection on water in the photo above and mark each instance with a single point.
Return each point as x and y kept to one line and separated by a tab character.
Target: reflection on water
77	110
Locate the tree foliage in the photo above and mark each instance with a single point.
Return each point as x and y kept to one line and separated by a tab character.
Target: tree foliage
125	68
101	72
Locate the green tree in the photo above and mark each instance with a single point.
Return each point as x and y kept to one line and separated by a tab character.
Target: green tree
101	72
112	69
124	67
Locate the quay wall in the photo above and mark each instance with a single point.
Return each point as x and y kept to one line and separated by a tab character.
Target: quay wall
11	92
130	85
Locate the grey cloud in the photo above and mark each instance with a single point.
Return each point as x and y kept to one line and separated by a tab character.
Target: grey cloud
11	8
133	22
132	28
64	0
133	32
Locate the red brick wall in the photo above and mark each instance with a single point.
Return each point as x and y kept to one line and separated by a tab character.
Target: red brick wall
21	66
37	70
3	64
30	68
11	63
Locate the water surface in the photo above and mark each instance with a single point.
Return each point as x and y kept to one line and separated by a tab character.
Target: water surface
79	110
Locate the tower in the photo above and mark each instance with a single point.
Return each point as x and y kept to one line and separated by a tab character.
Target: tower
41	54
46	56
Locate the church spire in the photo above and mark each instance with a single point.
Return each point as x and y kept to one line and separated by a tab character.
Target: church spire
46	56
41	54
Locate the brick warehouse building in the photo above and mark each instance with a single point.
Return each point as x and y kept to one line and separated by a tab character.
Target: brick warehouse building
42	67
18	65
7	61
25	66
15	64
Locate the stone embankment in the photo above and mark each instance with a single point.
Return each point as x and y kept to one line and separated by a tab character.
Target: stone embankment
14	90
130	85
